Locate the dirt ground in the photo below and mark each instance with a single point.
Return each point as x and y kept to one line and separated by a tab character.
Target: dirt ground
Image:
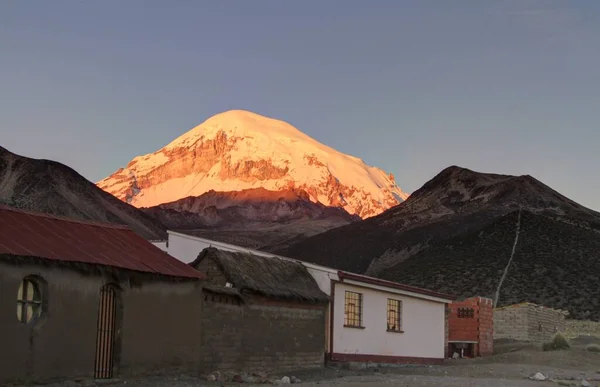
511	366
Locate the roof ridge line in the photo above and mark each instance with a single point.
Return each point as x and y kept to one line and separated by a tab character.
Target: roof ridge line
63	218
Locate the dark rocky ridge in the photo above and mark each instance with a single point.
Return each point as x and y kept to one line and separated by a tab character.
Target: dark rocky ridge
251	218
456	232
555	264
51	187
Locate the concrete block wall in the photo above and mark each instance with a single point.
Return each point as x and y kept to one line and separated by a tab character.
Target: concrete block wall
527	322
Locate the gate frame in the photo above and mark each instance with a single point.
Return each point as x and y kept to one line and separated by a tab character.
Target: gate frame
117	324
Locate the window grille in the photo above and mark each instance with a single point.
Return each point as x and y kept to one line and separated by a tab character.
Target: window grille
353	309
394	315
29	301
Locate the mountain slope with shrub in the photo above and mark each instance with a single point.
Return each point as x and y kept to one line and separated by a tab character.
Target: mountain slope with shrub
456	234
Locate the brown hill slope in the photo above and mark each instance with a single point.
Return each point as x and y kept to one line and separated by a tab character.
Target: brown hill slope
251	218
53	188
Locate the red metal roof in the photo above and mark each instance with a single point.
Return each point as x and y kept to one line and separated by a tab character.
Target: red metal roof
69	240
394	285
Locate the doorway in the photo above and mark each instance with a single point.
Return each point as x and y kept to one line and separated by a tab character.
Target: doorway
105	336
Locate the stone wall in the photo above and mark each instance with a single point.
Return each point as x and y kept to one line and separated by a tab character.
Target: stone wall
261	335
527	322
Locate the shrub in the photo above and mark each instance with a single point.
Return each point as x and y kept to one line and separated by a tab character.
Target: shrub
559	341
593	348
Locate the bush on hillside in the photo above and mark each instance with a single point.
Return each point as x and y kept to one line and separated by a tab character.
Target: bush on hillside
559	341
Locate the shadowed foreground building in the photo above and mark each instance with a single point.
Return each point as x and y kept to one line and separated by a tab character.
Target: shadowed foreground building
260	313
367	320
90	300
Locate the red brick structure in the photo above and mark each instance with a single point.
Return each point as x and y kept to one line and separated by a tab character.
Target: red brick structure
471	327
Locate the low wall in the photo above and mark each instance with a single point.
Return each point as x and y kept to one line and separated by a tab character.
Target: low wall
261	335
527	322
575	328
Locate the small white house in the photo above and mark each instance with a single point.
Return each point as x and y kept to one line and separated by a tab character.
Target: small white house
369	320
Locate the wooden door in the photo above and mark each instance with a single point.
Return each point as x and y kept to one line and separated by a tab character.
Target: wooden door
105	336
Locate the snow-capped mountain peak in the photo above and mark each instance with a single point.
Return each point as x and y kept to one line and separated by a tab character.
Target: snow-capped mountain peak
238	150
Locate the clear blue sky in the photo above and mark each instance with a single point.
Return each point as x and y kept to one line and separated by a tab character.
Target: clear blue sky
409	86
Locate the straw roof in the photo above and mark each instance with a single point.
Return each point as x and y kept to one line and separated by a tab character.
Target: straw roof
268	276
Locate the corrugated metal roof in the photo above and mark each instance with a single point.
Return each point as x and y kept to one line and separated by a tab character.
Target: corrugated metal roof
64	239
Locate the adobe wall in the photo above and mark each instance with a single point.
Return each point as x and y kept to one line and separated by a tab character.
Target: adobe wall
511	323
159	326
62	342
527	322
575	328
261	335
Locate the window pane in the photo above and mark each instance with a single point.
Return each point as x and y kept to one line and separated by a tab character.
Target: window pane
30	291
394	312
353	309
37	310
20	311
20	293
29	301
29	310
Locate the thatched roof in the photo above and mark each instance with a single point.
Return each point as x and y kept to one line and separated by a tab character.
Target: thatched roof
223	290
267	276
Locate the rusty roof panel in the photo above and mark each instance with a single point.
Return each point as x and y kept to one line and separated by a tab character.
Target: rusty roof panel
70	240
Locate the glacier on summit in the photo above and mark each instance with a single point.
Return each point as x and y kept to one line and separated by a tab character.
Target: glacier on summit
239	150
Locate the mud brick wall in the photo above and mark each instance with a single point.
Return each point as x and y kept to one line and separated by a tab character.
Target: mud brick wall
575	328
479	328
261	335
527	322
544	322
511	323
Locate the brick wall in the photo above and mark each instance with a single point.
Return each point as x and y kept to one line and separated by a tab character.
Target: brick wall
478	328
527	322
261	335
